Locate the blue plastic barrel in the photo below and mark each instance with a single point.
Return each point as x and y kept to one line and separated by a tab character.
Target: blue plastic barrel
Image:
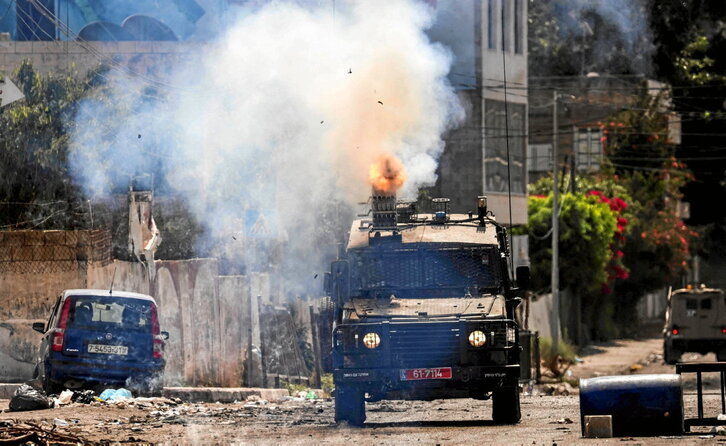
639	404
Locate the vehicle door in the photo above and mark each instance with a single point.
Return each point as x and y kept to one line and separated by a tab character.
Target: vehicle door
699	315
44	347
109	329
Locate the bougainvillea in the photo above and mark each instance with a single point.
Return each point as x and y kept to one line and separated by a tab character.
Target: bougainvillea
616	269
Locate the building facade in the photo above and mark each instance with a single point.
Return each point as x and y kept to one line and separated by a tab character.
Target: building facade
486	155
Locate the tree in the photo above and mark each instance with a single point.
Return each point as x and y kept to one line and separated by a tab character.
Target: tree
575	37
592	228
36	190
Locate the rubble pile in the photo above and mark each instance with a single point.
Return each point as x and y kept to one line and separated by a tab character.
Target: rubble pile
28	433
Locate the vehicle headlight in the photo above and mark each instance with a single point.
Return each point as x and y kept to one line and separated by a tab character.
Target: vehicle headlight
511	335
371	340
477	338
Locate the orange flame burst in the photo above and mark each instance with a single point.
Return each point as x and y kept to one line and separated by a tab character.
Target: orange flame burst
387	174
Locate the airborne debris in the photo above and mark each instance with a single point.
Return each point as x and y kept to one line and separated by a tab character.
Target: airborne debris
380	102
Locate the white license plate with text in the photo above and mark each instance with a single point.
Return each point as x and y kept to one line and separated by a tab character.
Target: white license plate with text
108	349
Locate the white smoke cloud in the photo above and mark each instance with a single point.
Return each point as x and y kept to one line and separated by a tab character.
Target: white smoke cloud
284	112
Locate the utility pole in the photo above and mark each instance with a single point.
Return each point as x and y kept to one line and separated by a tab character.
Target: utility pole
555	316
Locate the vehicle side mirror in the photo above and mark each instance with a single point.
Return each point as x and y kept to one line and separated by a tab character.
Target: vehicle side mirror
39	327
326	283
165	335
523	277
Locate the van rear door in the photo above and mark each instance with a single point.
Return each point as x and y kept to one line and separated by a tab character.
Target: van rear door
698	315
108	328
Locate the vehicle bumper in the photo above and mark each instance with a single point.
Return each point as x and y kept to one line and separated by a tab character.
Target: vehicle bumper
466	381
695	345
60	370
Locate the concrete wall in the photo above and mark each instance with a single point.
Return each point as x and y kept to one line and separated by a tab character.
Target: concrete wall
147	58
210	318
651	307
540	311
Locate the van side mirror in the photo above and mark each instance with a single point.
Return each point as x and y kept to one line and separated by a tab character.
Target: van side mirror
39	327
523	278
165	335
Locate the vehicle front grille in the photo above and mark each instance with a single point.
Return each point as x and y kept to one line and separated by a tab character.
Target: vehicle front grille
424	345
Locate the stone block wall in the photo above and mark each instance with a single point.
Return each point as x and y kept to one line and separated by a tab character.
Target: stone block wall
147	58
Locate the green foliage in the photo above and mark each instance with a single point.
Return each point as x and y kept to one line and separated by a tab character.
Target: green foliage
576	37
556	359
326	383
587	228
36	190
694	63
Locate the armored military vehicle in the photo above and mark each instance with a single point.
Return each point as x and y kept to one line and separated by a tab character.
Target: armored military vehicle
423	308
695	321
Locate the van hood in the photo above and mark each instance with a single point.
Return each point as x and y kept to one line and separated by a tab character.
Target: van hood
481	306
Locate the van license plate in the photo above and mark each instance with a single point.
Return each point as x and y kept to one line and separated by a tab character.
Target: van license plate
108	349
418	374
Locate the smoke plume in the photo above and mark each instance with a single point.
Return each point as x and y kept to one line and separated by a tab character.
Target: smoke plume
287	110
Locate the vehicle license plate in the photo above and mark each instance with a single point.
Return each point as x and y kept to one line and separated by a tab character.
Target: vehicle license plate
108	349
417	374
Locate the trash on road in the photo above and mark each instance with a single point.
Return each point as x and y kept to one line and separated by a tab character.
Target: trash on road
64	398
31	433
115	395
28	398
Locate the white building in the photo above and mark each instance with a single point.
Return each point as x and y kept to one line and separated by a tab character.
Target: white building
486	155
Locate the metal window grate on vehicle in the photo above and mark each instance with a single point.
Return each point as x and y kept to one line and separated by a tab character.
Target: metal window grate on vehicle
424	345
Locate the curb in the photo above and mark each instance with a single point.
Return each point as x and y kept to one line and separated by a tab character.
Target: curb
8	390
223	394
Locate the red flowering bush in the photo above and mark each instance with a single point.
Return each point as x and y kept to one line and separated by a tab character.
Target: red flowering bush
615	267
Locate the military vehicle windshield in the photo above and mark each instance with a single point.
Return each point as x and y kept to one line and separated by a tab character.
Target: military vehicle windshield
442	271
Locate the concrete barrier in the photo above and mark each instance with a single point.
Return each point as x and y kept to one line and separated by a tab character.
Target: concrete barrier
8	390
222	394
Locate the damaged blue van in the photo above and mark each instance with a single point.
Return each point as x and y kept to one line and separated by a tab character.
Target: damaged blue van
101	338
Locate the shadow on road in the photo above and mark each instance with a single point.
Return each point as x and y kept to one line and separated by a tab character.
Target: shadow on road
441	423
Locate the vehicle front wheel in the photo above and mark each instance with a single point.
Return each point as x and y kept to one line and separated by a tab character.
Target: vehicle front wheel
349	405
505	405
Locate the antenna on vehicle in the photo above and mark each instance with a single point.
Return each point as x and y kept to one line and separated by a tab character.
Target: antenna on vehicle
113	277
506	141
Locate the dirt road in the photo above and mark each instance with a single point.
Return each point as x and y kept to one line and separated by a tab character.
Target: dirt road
547	420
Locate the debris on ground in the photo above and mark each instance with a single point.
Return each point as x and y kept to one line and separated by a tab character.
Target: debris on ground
562	421
558	389
28	398
64	398
34	434
115	395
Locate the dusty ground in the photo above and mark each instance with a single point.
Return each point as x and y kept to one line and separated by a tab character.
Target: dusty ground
547	420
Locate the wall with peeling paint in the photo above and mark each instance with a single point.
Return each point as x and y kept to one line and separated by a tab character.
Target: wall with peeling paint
211	319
